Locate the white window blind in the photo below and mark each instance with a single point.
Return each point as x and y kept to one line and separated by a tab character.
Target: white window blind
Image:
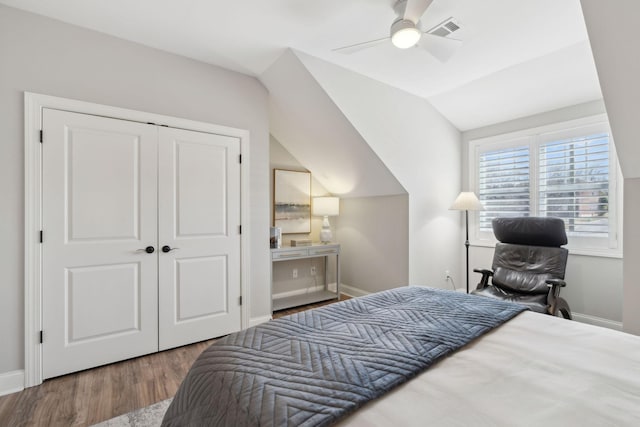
503	184
573	183
567	170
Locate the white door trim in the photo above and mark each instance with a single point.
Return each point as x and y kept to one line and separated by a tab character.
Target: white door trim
33	107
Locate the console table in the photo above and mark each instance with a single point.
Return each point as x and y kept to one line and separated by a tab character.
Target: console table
316	250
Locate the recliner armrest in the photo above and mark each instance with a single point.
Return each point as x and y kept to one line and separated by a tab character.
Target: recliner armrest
553	298
484	281
556	282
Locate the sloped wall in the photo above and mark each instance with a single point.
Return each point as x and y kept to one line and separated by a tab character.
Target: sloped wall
613	34
421	148
304	119
372	231
612	28
372	226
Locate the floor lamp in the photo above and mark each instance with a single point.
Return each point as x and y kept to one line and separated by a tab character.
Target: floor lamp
467	201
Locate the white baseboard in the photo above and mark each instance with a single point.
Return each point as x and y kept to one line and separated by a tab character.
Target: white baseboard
254	321
11	382
352	291
330	287
299	291
597	321
344	289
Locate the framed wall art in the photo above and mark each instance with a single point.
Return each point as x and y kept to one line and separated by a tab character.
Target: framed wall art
292	201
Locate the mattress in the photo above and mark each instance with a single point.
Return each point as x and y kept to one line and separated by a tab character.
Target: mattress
533	370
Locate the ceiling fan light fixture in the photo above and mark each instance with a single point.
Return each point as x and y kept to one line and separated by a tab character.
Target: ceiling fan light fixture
404	34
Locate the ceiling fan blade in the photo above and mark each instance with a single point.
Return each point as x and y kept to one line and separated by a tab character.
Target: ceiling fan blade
360	46
442	48
415	9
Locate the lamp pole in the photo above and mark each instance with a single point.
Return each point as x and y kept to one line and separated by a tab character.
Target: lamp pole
467	201
466	244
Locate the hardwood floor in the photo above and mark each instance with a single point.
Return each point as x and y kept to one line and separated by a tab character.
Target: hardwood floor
95	395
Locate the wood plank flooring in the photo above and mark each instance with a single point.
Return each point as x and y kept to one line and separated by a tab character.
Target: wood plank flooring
95	395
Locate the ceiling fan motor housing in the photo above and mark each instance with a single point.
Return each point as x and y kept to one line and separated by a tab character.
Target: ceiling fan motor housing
404	33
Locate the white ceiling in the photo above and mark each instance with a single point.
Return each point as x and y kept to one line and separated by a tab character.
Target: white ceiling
519	57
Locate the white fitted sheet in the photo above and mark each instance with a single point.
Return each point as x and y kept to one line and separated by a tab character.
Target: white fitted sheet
534	370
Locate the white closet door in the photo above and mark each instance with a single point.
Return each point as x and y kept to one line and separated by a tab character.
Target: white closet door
99	300
199	218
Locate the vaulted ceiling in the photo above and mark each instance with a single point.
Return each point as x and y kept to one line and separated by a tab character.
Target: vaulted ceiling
517	57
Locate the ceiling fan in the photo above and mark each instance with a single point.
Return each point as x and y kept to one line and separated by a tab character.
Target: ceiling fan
406	32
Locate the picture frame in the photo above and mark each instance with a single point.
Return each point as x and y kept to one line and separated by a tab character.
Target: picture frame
292	201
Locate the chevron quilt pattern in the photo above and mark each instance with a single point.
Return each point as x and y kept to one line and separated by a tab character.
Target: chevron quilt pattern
314	367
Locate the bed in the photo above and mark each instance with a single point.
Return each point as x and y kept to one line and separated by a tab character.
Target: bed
452	359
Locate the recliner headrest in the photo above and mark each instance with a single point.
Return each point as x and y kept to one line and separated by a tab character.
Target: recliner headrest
535	231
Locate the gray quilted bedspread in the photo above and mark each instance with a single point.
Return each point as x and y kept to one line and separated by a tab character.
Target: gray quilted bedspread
314	367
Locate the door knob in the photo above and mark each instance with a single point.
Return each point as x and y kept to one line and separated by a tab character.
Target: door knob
167	248
148	249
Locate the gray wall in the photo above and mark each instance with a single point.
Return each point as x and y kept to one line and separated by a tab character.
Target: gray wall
363	139
631	300
374	232
282	271
420	147
280	158
46	56
618	70
595	284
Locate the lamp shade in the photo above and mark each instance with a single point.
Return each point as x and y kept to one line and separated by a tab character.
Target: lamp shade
326	206
467	201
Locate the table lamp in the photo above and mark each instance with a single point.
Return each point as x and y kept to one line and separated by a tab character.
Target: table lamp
326	207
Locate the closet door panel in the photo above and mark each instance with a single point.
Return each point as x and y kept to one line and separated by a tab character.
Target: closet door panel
99	289
199	218
200	190
201	287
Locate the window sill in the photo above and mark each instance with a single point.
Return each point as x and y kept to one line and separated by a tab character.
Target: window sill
598	253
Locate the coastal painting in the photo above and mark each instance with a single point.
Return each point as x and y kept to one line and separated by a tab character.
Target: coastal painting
292	201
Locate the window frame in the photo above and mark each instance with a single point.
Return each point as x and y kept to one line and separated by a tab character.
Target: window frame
534	138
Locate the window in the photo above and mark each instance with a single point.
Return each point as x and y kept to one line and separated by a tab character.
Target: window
573	183
567	170
503	184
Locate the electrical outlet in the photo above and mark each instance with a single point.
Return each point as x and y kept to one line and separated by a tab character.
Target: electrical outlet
295	273
313	270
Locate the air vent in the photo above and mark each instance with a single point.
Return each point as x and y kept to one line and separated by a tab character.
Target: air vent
451	26
445	28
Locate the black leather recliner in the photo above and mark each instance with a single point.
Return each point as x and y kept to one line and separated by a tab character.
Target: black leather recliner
528	264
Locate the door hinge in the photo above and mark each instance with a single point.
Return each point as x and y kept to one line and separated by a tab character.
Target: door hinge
41	240
240	299
41	136
41	337
240	158
240	229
